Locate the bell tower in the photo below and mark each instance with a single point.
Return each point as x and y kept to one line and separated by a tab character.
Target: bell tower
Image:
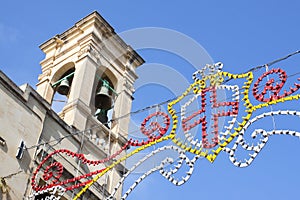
94	69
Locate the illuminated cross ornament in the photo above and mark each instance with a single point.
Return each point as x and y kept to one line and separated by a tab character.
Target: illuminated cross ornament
211	136
216	110
210	82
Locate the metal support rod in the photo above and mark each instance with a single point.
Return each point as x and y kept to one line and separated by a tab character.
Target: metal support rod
60	80
108	86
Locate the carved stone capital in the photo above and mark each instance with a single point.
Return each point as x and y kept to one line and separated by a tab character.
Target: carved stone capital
92	52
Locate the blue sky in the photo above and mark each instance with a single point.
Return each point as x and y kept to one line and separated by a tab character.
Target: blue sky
241	34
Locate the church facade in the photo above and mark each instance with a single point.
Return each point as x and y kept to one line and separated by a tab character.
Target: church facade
90	71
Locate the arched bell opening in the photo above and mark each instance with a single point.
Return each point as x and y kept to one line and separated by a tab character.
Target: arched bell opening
62	88
104	100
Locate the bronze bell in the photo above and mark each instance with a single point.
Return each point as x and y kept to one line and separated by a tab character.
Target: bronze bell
63	87
103	100
102	117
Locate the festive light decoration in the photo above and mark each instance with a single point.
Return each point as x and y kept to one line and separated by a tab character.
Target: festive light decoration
53	193
154	126
275	90
207	141
262	142
204	142
55	170
168	174
201	87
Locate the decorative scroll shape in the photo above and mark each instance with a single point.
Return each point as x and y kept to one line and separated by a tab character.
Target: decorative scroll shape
273	87
262	142
168	174
54	171
154	127
53	193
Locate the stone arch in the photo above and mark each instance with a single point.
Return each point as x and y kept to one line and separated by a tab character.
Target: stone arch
64	71
61	71
108	75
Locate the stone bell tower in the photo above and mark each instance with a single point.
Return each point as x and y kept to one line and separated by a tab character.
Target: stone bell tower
82	61
94	69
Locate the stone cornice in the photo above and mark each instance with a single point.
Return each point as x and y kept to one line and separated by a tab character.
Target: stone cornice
96	20
24	94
